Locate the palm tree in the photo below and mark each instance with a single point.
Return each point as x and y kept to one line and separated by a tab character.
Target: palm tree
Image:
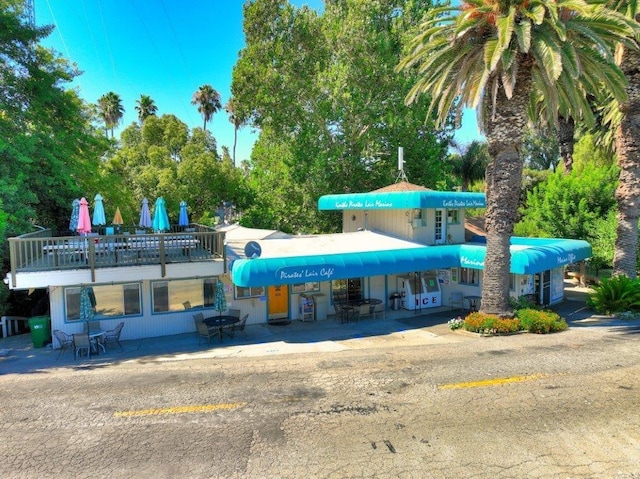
566	142
237	122
145	106
501	58
111	110
470	163
627	147
208	101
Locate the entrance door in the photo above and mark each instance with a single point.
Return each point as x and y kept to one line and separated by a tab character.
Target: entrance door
440	227
278	297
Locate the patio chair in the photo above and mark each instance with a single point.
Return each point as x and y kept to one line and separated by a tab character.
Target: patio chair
241	325
203	331
64	340
81	342
377	309
113	335
198	318
235	312
456	299
94	326
364	310
187	305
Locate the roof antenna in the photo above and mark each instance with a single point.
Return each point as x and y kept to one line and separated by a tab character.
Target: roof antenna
401	174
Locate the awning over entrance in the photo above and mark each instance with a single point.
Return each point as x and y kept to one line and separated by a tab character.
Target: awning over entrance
402	200
530	255
302	269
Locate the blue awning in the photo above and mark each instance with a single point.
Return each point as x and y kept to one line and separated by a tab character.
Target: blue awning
402	200
528	256
301	269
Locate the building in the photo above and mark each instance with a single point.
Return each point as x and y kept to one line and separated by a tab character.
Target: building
402	246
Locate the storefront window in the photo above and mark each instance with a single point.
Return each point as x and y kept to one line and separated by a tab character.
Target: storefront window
112	300
182	294
244	293
305	287
346	290
469	276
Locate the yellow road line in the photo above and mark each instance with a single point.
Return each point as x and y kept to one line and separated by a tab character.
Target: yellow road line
179	409
492	382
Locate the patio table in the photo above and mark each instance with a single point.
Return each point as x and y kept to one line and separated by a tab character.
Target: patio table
221	322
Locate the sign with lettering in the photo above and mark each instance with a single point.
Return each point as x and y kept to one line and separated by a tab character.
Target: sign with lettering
305	273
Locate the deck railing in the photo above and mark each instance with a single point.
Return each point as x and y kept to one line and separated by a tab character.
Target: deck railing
40	251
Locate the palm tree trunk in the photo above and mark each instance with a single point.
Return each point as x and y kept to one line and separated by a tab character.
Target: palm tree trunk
627	141
566	131
235	141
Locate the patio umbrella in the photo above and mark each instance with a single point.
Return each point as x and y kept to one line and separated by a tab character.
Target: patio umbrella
145	216
84	220
117	218
183	219
160	218
98	211
219	300
75	214
86	305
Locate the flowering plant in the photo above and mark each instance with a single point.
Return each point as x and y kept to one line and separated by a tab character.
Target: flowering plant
456	323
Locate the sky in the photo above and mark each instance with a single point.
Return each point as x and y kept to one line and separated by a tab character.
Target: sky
165	49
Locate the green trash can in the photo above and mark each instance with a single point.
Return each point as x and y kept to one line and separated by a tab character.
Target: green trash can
40	327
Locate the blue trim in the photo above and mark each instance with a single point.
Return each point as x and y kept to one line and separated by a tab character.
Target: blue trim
528	256
398	200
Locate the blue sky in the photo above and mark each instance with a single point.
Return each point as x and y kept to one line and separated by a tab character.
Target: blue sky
162	48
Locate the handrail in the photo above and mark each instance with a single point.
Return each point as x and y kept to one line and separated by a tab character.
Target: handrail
38	252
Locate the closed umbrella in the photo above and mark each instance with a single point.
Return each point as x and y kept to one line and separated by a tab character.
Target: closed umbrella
98	211
183	219
86	305
219	300
145	216
160	217
75	213
84	220
117	218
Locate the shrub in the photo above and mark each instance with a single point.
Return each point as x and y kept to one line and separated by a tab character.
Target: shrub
456	323
541	322
615	294
490	324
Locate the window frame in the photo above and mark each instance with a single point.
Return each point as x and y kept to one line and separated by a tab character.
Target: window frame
98	316
204	301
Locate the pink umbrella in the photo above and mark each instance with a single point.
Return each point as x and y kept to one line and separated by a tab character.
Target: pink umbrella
84	220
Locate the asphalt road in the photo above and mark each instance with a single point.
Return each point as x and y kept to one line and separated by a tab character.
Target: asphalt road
558	406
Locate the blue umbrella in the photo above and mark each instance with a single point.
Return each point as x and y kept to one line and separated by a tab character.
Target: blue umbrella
183	219
145	216
219	300
75	214
160	218
98	211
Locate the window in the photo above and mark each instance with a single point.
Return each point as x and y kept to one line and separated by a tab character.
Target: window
469	276
112	300
305	287
173	295
512	282
454	275
346	290
452	217
244	293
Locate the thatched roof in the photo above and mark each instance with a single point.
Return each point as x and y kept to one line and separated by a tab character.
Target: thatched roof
401	186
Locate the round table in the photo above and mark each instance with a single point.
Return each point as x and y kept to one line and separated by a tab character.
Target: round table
221	321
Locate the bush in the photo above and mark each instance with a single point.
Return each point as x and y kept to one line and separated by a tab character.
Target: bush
490	324
615	295
541	322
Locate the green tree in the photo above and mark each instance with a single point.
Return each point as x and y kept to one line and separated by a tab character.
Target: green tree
145	106
111	110
502	57
236	120
208	101
470	163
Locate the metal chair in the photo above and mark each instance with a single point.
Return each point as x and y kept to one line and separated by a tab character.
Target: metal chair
80	342
113	335
187	305
241	325
235	312
64	340
204	331
363	310
456	299
377	309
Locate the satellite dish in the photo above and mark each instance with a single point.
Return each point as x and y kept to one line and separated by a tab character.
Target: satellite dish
252	250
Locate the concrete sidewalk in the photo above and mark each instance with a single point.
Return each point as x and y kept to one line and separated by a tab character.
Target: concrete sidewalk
17	354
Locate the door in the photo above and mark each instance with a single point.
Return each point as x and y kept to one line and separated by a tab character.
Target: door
546	287
278	297
440	227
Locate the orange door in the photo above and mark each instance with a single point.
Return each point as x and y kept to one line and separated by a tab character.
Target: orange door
278	302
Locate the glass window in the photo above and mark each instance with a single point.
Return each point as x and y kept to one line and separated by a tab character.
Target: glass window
512	282
469	276
454	275
305	287
452	217
244	293
179	294
112	300
346	290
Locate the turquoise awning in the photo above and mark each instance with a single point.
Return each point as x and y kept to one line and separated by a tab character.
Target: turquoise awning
528	256
402	200
531	255
301	269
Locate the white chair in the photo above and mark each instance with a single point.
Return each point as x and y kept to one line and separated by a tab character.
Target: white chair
456	299
377	309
